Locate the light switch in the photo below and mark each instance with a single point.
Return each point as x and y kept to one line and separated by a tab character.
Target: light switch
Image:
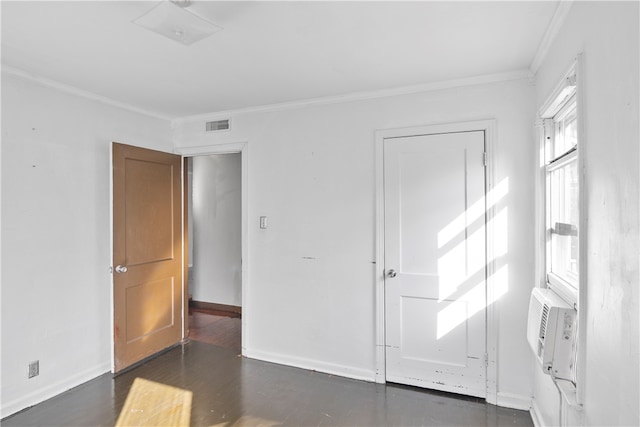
263	222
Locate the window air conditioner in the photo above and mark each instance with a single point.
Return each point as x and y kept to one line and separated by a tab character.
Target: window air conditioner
551	333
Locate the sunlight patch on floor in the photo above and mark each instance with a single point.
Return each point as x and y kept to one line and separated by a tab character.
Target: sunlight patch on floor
249	420
153	404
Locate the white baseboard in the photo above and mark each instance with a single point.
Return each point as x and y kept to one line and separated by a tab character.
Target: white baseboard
506	400
513	401
313	365
535	414
47	392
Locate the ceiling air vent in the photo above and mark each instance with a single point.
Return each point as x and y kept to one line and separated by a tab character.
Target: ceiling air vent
218	125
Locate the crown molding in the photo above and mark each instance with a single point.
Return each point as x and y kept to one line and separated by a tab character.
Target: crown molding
361	96
9	70
562	10
352	97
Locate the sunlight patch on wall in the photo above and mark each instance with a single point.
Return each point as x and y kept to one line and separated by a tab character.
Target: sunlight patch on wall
499	286
462	269
455	313
462	264
467	258
474	212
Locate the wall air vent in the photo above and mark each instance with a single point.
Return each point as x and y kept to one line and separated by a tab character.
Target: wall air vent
543	321
218	125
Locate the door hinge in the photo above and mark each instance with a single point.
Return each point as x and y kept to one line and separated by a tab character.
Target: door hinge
484	158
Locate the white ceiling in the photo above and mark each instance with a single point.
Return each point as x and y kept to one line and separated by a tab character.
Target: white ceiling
268	52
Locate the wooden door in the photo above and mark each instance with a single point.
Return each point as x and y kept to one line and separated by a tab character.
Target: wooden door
435	261
147	253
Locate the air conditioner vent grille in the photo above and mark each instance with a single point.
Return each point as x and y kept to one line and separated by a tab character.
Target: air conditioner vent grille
543	321
218	125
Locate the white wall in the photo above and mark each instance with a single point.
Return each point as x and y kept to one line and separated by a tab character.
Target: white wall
56	285
217	214
607	33
310	295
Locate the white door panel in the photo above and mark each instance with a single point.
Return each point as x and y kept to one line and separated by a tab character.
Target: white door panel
435	242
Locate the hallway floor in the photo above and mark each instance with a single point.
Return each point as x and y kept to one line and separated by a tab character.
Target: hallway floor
221	331
229	390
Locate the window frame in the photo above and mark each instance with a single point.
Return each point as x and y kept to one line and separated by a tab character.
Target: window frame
561	110
575	76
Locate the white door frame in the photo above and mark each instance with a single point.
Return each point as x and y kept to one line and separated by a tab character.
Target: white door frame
488	126
243	149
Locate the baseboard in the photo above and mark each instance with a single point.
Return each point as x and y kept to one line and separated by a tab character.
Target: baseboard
45	393
535	414
506	400
513	401
313	365
217	309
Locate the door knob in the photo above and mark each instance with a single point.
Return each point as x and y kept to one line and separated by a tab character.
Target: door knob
391	273
121	269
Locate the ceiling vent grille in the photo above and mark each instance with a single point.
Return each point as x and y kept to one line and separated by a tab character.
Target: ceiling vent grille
218	125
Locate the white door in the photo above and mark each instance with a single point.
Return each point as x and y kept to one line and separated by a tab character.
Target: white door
435	283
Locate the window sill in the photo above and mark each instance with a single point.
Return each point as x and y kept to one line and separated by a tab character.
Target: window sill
565	291
569	393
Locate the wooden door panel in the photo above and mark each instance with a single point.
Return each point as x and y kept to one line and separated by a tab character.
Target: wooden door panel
149	212
141	323
147	231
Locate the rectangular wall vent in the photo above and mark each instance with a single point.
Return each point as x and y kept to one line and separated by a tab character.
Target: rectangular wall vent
218	125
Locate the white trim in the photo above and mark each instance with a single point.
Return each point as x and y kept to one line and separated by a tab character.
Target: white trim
380	332
112	264
514	401
563	289
312	365
184	203
540	211
466	126
536	416
204	150
351	97
489	127
360	96
492	321
80	92
562	161
52	390
557	21
243	149
554	102
583	221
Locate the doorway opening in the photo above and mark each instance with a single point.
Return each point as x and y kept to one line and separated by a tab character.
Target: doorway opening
215	276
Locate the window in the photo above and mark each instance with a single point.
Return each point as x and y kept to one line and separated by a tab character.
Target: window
559	221
562	194
562	198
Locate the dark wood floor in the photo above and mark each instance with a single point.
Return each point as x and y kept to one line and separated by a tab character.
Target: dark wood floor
229	390
222	331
